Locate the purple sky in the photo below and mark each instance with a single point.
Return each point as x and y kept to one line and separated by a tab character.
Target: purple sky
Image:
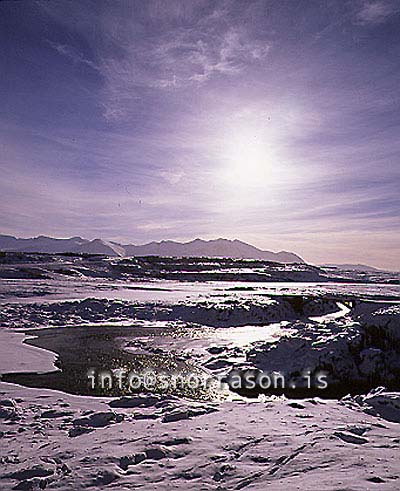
274	122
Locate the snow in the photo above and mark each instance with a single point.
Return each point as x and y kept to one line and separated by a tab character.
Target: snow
152	440
349	353
18	357
379	402
318	444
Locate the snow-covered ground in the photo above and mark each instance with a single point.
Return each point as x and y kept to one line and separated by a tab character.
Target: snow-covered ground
54	441
325	440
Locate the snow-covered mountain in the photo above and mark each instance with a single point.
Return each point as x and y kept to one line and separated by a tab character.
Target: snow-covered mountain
195	248
353	267
211	248
52	246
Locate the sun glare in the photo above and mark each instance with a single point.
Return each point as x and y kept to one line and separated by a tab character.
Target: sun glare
249	159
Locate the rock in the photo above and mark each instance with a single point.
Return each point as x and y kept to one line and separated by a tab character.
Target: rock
175	415
105	477
55	413
127	460
381	403
78	430
372	361
9	410
146	416
178	414
217	363
98	420
37	471
376	480
351	438
139	401
155	453
216	350
30	485
296	405
8	403
177	441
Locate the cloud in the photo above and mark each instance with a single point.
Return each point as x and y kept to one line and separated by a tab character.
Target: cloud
376	12
71	53
177	59
161	46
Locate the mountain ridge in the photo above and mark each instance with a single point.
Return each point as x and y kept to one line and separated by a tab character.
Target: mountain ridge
353	267
220	247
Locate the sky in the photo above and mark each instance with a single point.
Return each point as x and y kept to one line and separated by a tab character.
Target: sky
273	122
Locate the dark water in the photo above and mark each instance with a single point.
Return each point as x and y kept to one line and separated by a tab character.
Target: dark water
86	354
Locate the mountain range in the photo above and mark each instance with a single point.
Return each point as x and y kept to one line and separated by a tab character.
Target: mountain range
195	248
354	267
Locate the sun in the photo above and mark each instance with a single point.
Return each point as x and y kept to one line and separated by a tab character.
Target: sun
249	158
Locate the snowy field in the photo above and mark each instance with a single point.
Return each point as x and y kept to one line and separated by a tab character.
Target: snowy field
215	320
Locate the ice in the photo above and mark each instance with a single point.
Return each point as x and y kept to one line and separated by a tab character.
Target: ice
18	357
